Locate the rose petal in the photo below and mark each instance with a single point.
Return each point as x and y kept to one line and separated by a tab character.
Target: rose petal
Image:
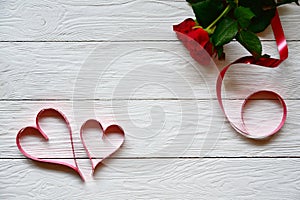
196	40
185	27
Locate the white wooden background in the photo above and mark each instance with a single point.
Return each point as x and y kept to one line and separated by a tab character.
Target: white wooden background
120	62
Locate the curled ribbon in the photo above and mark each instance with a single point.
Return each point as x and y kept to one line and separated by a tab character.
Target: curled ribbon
264	62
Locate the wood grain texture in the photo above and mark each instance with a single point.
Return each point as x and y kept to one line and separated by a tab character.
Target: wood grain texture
157	179
120	62
157	128
142	70
42	20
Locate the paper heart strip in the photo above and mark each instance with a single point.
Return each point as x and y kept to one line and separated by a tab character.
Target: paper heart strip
264	62
36	130
112	129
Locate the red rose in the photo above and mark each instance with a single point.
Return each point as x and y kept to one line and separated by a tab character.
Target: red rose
185	27
196	40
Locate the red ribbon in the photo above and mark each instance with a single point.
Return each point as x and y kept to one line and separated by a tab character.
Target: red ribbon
264	62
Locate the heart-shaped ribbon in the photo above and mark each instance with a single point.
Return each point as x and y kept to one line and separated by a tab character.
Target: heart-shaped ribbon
37	131
110	147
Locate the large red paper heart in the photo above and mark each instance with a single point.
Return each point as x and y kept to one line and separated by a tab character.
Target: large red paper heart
111	144
37	131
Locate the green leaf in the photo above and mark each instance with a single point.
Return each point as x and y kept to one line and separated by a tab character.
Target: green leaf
226	30
244	16
257	6
220	52
207	11
251	42
261	22
264	11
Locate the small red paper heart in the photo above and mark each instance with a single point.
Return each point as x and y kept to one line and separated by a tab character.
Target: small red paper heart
37	131
112	139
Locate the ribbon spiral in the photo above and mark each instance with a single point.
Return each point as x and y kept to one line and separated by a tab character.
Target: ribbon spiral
264	62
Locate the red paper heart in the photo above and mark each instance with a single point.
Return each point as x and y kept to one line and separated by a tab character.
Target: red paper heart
110	146
38	131
111	130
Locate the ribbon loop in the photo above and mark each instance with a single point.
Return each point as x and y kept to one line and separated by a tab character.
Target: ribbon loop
264	62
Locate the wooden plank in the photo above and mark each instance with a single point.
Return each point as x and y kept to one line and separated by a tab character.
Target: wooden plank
43	20
155	128
120	62
156	179
127	70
